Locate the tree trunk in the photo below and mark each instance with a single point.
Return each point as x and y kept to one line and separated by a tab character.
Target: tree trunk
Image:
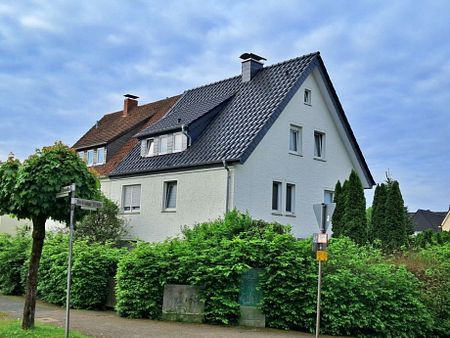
31	289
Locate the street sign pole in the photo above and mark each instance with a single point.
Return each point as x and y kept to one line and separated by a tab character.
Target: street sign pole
322	227
69	263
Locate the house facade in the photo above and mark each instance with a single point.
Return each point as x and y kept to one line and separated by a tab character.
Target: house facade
272	141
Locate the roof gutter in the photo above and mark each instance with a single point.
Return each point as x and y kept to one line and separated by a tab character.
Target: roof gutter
184	131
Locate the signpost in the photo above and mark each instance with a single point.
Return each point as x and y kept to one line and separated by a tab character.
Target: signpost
323	212
84	204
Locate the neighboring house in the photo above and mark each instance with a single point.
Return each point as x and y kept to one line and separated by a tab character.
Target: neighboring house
445	226
427	220
271	141
110	139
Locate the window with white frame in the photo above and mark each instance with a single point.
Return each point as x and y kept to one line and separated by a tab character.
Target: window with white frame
276	196
328	196
177	142
170	195
164	144
290	198
319	144
307	97
295	139
100	158
81	154
149	147
131	198
90	157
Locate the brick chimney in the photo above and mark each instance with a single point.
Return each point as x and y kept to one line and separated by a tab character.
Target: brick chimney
251	64
129	104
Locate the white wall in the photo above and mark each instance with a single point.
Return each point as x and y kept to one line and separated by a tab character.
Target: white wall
9	224
201	197
271	161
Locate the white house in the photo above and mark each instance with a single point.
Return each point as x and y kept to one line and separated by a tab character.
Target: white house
272	141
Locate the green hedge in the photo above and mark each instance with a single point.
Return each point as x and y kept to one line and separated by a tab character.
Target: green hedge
14	252
363	293
93	265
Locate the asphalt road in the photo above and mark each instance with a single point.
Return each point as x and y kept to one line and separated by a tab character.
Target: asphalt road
109	324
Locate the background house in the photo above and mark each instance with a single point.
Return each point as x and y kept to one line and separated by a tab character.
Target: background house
271	141
427	220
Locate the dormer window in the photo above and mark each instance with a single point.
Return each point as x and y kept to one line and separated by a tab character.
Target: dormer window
150	147
164	144
177	142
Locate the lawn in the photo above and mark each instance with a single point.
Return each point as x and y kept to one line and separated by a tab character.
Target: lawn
12	328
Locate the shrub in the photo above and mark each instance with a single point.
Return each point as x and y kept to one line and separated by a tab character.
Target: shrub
93	265
14	252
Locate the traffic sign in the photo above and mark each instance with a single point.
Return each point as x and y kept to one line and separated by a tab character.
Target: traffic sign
321	256
87	204
324	212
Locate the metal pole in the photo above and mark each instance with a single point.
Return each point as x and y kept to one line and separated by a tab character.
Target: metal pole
319	286
69	262
319	278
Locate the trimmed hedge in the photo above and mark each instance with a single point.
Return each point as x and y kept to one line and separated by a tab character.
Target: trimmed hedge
363	293
14	252
93	265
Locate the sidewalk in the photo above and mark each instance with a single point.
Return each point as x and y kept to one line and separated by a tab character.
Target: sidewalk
109	324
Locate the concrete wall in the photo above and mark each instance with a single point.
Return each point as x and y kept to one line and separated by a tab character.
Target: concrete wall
271	161
201	197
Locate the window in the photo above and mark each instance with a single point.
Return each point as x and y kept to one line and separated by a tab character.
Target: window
319	144
290	198
100	156
164	144
295	139
328	196
307	97
170	195
276	196
81	154
131	200
90	157
149	147
177	142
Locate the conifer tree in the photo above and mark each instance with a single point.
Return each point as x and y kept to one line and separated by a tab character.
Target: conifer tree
354	218
395	234
377	228
336	220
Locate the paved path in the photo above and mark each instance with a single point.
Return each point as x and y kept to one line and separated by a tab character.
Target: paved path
109	324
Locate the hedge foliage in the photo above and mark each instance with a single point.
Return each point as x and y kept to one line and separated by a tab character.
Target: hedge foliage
364	294
14	252
93	265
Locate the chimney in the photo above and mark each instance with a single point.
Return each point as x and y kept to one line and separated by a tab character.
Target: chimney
129	104
251	64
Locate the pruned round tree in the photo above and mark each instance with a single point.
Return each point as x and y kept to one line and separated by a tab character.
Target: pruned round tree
28	191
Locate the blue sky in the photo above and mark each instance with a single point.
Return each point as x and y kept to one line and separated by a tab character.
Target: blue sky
63	64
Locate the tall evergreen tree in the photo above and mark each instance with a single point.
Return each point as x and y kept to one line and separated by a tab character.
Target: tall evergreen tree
336	220
396	233
377	228
354	218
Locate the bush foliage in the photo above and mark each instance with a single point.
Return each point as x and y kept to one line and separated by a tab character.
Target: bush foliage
364	294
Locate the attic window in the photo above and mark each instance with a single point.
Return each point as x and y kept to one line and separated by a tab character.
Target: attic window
150	147
307	97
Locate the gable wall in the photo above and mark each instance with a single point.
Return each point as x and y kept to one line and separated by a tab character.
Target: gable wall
271	161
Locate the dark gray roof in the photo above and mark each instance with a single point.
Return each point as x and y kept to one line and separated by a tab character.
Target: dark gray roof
246	111
428	220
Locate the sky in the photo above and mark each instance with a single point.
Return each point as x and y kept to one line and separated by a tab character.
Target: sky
64	64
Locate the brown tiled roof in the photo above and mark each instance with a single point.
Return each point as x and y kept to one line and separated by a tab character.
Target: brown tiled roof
115	124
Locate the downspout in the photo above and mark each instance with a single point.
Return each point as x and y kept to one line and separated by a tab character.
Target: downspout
183	130
225	165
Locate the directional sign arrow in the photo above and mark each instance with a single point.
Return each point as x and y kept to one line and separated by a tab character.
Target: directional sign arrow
65	191
87	204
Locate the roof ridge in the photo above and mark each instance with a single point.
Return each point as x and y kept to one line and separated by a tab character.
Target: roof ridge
237	76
